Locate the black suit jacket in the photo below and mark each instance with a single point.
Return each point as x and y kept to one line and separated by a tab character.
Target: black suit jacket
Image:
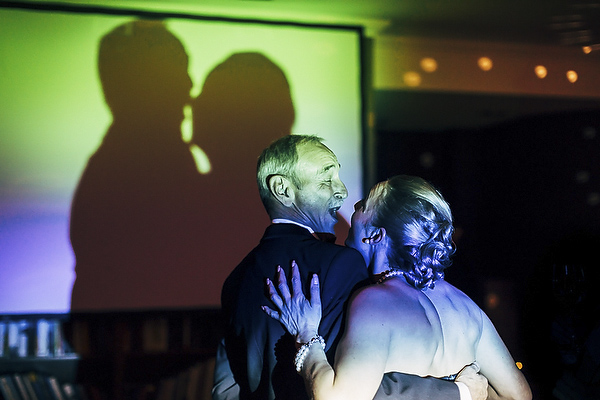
259	351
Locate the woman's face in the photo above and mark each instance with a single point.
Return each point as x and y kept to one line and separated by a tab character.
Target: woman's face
361	228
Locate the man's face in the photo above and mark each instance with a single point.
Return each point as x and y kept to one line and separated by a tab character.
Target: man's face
322	193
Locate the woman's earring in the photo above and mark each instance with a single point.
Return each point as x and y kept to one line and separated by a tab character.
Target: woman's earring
373	239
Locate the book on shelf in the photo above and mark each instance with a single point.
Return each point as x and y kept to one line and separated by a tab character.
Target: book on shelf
8	389
73	392
3	338
29	387
20	385
80	338
34	386
55	388
27	337
39	386
43	338
155	335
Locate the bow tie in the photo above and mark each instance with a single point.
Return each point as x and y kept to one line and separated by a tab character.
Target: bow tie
325	237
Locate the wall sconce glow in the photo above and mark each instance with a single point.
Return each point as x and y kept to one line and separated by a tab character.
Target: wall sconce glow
572	76
519	364
485	63
492	300
589	132
427	159
593	199
541	71
412	79
587	49
582	177
429	64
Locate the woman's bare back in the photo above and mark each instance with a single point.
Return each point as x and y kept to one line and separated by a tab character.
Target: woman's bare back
433	332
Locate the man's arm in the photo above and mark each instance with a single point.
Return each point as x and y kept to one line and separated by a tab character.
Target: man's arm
473	382
397	386
224	384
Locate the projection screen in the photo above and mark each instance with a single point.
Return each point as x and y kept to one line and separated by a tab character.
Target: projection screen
152	238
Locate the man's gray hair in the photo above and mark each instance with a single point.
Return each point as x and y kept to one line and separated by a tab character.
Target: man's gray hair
280	158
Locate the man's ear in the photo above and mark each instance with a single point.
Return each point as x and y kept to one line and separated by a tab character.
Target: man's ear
280	189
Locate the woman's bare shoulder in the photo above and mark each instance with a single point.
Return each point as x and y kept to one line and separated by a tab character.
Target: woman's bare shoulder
452	292
379	301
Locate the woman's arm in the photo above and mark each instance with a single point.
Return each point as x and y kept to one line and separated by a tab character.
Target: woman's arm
360	360
362	354
505	380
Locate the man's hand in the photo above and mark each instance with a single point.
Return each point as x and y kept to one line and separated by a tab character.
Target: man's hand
477	383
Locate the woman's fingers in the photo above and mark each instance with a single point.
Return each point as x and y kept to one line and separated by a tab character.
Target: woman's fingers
292	309
271	313
296	282
315	294
283	287
275	298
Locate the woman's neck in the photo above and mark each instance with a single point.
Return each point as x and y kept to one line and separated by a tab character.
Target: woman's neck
380	262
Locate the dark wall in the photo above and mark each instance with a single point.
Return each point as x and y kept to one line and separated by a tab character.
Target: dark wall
516	188
525	194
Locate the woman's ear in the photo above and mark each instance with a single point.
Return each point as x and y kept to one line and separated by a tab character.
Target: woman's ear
379	235
280	189
376	236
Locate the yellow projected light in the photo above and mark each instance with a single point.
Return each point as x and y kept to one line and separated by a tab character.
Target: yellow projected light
54	118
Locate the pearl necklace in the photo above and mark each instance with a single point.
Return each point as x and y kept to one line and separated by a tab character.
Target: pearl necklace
390	273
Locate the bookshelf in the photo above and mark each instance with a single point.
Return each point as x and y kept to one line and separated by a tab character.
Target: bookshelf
150	354
36	362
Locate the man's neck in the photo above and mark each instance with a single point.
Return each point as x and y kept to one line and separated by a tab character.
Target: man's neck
289	221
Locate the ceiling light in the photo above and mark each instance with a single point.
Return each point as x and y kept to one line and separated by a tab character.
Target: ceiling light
428	64
541	71
485	63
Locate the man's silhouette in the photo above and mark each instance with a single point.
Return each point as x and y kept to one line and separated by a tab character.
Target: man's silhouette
134	219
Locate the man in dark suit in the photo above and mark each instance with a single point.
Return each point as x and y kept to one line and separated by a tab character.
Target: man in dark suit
299	184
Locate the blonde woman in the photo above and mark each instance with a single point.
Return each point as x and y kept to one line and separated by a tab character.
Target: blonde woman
410	320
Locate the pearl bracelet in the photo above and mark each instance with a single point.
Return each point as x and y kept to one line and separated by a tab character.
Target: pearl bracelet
303	351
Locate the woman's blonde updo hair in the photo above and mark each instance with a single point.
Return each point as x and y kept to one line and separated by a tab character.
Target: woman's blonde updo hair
418	222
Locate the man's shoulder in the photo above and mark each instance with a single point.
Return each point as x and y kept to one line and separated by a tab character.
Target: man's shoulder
340	266
286	238
284	243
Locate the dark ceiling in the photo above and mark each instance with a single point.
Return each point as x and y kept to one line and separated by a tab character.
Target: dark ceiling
565	22
528	21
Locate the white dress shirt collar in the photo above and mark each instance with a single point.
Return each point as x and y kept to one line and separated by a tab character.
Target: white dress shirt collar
288	221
